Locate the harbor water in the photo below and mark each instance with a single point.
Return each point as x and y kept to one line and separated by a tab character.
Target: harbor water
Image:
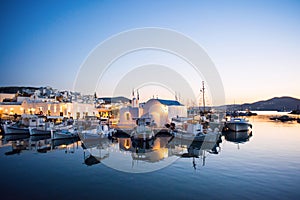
264	166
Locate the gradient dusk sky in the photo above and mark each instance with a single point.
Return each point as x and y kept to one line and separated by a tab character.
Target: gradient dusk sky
255	45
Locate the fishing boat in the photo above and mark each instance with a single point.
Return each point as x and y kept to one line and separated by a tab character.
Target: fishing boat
53	123
63	134
188	129
100	131
15	129
41	130
22	126
237	124
211	136
143	130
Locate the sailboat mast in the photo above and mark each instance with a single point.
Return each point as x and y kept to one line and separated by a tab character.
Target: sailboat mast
203	96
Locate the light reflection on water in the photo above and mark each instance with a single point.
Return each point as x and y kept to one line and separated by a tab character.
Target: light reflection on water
266	165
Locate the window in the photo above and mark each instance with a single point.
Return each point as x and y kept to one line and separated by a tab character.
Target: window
127	116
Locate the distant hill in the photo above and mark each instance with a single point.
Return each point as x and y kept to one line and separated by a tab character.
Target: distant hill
276	103
15	89
109	100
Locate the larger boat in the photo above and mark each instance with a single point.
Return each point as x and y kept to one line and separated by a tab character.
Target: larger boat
237	124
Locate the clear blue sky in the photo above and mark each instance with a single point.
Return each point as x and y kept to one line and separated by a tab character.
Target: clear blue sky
255	45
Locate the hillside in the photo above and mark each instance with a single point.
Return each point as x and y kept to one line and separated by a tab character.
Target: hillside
15	89
276	103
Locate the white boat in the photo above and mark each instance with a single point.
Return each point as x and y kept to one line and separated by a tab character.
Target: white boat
100	131
63	134
188	129
142	132
144	129
237	124
42	130
15	129
22	126
209	137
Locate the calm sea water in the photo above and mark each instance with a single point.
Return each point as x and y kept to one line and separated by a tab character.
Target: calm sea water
264	166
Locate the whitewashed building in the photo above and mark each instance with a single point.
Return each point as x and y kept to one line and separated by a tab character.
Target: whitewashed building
158	111
51	108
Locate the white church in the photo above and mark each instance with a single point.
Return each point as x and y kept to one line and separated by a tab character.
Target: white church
157	111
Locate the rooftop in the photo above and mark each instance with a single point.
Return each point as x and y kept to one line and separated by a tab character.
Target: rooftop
169	102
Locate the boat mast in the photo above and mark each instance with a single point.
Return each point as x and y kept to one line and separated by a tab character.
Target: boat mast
202	90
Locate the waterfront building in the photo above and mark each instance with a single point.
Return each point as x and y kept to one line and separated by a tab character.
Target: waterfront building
47	106
155	111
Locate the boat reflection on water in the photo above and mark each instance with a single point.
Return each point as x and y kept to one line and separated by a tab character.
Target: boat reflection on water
95	149
152	150
140	153
41	144
19	143
34	138
124	153
200	150
13	137
238	137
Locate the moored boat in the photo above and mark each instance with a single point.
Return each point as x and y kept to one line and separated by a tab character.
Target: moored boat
188	129
210	136
42	130
283	118
15	129
63	134
22	126
142	132
100	131
237	124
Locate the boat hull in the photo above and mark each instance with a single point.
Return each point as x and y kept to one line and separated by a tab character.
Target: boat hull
237	126
15	130
212	137
63	135
35	131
